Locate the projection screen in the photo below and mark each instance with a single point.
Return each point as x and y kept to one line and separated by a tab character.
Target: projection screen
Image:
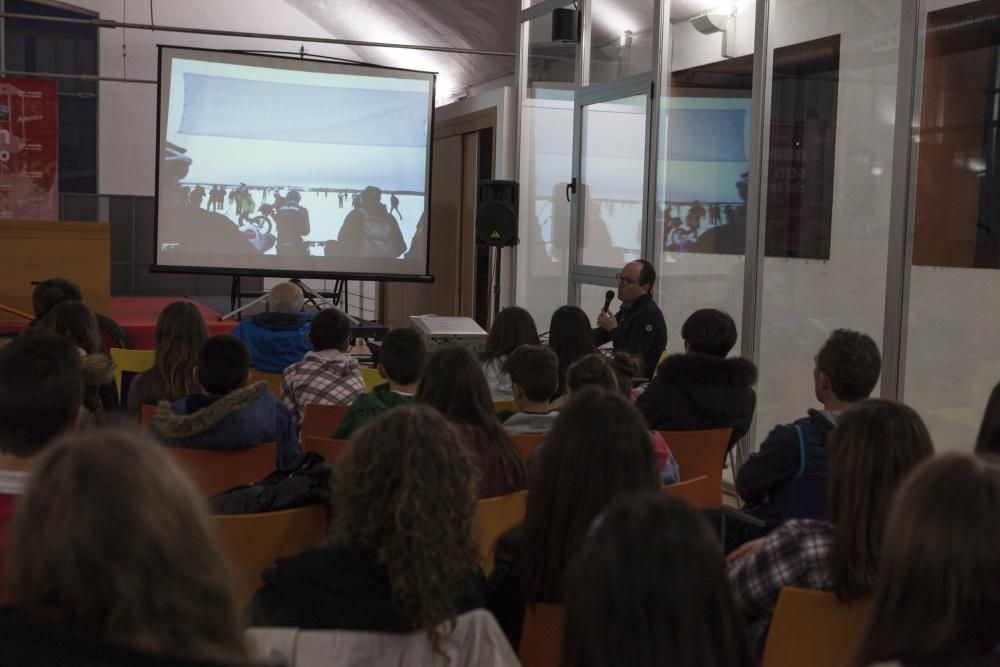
280	166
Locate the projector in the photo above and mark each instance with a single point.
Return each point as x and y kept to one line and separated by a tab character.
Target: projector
450	331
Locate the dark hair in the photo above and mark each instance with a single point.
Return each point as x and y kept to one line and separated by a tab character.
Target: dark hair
873	446
329	330
511	328
75	321
223	364
408	490
853	363
403	355
650	575
593	369
41	391
647	274
598	448
709	331
454	383
112	540
626	367
988	440
180	332
570	337
939	584
535	369
51	292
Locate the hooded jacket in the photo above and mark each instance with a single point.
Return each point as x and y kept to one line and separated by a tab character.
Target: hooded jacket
275	340
242	419
694	392
100	393
368	406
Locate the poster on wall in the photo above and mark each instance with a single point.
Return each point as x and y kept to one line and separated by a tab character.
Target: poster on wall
29	150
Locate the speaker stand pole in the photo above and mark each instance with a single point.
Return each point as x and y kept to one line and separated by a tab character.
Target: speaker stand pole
496	281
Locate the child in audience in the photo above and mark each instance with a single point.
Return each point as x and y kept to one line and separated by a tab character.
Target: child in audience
649	588
597	450
937	601
400	361
401	556
231	414
570	337
113	562
454	383
534	377
327	374
50	292
512	327
988	440
180	332
875	444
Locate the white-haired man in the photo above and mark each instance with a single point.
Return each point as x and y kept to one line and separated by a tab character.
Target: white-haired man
276	339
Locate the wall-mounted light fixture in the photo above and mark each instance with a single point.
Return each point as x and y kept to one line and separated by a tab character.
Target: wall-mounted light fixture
719	20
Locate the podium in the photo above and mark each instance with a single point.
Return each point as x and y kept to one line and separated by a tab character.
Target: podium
33	250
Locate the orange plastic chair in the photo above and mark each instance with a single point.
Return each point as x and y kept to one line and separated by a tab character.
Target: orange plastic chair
322	420
252	542
217	471
505	406
814	628
696	491
146	415
542	635
526	443
701	453
273	380
493	518
329	448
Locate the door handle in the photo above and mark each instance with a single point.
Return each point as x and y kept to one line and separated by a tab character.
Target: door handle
570	188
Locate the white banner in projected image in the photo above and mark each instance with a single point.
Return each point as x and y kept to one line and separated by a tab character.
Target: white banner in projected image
283	166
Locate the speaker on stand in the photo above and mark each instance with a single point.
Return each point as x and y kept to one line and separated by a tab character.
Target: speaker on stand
496	223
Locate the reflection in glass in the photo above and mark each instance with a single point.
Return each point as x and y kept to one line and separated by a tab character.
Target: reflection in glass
621	39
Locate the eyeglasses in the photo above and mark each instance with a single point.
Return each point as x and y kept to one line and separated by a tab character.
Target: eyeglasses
622	278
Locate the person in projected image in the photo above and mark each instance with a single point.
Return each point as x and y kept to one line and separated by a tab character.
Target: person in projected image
370	230
394	206
293	223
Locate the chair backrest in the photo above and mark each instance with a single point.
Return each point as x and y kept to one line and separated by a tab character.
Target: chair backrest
701	453
371	378
322	420
252	542
696	491
494	517
273	380
542	635
505	406
814	628
526	443
329	448
136	361
216	471
146	415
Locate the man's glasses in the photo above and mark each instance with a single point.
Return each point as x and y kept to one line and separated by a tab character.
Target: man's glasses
622	278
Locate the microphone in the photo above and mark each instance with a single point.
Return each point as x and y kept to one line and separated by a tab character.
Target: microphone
608	296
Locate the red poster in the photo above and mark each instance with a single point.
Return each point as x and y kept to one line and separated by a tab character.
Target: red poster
29	149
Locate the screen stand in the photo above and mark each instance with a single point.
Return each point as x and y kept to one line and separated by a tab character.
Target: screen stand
318	300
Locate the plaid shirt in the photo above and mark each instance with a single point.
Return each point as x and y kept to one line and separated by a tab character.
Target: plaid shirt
796	554
330	377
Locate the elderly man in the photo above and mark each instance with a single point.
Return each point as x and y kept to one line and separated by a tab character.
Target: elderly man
276	339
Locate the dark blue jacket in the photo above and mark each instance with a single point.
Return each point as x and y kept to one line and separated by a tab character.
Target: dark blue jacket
275	340
641	331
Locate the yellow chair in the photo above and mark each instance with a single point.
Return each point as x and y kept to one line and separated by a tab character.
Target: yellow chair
814	628
135	361
493	518
273	380
371	378
701	453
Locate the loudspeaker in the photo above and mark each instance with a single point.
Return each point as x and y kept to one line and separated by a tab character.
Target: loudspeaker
496	213
565	25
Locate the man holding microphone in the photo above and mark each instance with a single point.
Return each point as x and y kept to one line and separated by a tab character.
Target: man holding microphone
638	328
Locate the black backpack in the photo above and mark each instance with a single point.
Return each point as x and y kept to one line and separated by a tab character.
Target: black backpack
306	484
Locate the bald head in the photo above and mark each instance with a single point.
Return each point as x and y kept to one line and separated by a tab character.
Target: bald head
286	298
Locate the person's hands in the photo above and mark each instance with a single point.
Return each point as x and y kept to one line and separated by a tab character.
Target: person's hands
606	321
745	550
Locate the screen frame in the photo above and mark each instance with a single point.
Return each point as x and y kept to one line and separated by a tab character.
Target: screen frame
157	267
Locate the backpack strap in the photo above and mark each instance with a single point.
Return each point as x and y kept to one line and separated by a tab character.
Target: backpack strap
802	451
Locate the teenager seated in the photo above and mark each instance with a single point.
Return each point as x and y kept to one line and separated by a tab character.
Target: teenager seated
180	332
873	447
534	378
113	562
512	328
400	362
327	374
571	338
231	413
598	449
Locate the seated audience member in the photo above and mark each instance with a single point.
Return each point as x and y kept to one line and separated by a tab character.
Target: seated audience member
180	332
787	478
76	321
937	600
511	328
534	377
702	389
41	396
570	337
277	338
988	440
401	555
327	374
597	450
649	588
113	562
51	292
454	383
874	445
401	362
231	413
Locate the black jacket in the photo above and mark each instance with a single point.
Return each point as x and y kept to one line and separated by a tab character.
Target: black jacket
338	587
694	392
641	331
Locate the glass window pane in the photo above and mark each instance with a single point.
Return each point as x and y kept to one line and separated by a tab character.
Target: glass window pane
621	39
551	65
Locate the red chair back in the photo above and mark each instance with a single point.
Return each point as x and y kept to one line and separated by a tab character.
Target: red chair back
542	635
329	448
526	443
217	471
146	415
322	420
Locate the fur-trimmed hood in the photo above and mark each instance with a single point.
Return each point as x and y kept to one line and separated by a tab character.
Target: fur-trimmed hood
97	369
703	369
175	426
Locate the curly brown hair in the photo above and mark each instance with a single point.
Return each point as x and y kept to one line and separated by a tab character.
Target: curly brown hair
408	490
